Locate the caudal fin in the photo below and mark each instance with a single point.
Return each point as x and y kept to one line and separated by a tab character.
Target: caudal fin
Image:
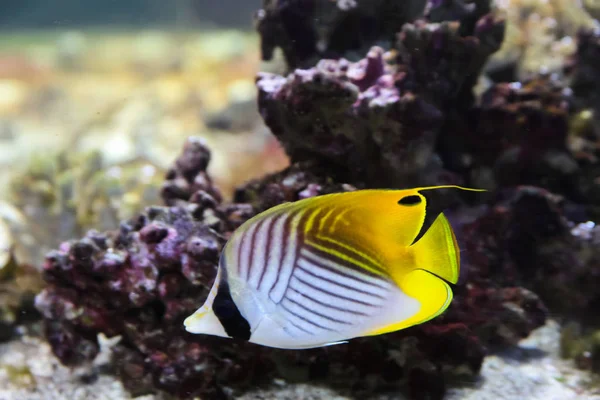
438	252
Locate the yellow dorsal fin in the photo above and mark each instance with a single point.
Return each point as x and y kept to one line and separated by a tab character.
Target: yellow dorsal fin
403	229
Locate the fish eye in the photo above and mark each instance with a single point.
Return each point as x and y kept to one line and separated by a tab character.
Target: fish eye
412	200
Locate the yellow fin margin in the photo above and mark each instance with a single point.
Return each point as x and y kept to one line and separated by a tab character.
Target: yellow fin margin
433	294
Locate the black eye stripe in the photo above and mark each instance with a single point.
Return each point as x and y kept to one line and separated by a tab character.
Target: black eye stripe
234	323
410	200
229	315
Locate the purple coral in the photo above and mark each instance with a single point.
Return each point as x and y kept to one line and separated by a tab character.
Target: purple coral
331	113
382	113
188	178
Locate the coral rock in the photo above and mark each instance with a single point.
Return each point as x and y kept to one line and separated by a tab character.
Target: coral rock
189	178
525	239
307	30
516	135
370	116
154	272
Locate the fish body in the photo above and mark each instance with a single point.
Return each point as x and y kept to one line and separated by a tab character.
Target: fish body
323	270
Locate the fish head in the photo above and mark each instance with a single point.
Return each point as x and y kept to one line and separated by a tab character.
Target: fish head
204	320
223	311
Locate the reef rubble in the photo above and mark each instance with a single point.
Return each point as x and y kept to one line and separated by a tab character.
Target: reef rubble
402	116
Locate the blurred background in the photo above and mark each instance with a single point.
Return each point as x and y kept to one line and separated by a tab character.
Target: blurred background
29	14
97	98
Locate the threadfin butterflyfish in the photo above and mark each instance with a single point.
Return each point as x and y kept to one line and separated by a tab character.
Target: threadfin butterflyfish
326	269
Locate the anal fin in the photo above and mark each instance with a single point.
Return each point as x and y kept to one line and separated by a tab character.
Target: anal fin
433	295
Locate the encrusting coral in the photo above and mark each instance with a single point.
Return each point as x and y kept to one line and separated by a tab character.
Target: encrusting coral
393	119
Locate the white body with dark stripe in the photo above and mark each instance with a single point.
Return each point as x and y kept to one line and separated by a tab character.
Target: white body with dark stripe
295	296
